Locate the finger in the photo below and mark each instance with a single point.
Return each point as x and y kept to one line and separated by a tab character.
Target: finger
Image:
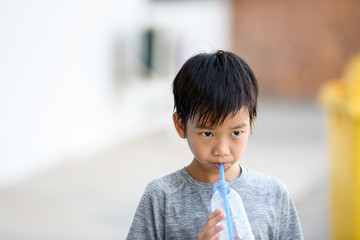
211	233
214	218
215	230
209	230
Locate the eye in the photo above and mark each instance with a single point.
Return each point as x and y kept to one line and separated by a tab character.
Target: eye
236	133
207	134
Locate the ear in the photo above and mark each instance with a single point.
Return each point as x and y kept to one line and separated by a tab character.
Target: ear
179	126
252	123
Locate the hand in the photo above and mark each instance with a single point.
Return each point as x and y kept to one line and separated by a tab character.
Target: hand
210	230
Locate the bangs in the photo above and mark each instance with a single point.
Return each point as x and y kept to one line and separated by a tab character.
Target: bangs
211	118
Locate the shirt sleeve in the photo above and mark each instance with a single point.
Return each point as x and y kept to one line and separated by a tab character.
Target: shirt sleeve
148	222
288	221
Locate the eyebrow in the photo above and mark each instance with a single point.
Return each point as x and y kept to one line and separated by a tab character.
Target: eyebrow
200	126
242	125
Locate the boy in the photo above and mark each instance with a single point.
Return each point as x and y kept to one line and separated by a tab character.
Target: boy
215	102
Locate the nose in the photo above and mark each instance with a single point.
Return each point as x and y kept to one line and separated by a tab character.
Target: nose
221	149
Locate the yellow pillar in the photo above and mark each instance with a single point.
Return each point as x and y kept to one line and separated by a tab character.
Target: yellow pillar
341	99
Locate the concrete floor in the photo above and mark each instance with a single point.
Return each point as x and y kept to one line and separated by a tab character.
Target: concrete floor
96	198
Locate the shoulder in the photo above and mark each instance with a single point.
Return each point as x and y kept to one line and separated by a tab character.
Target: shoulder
264	184
270	206
150	215
166	185
264	181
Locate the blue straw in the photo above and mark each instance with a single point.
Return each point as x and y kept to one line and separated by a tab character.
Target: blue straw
226	204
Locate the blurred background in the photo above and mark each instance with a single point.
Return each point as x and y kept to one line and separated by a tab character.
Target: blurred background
86	103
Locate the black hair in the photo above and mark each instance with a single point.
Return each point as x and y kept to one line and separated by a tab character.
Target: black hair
214	85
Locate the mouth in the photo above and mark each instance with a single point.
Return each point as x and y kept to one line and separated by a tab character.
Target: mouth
216	165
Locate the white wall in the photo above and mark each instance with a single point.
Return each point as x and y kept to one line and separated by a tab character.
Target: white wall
199	25
58	98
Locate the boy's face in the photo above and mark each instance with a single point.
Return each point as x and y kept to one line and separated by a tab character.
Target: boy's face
221	144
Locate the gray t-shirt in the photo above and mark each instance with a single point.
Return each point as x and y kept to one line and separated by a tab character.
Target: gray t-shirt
177	206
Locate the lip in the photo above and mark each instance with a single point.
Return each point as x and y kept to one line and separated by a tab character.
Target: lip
216	165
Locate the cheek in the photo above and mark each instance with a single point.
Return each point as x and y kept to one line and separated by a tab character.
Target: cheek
197	148
239	151
239	148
